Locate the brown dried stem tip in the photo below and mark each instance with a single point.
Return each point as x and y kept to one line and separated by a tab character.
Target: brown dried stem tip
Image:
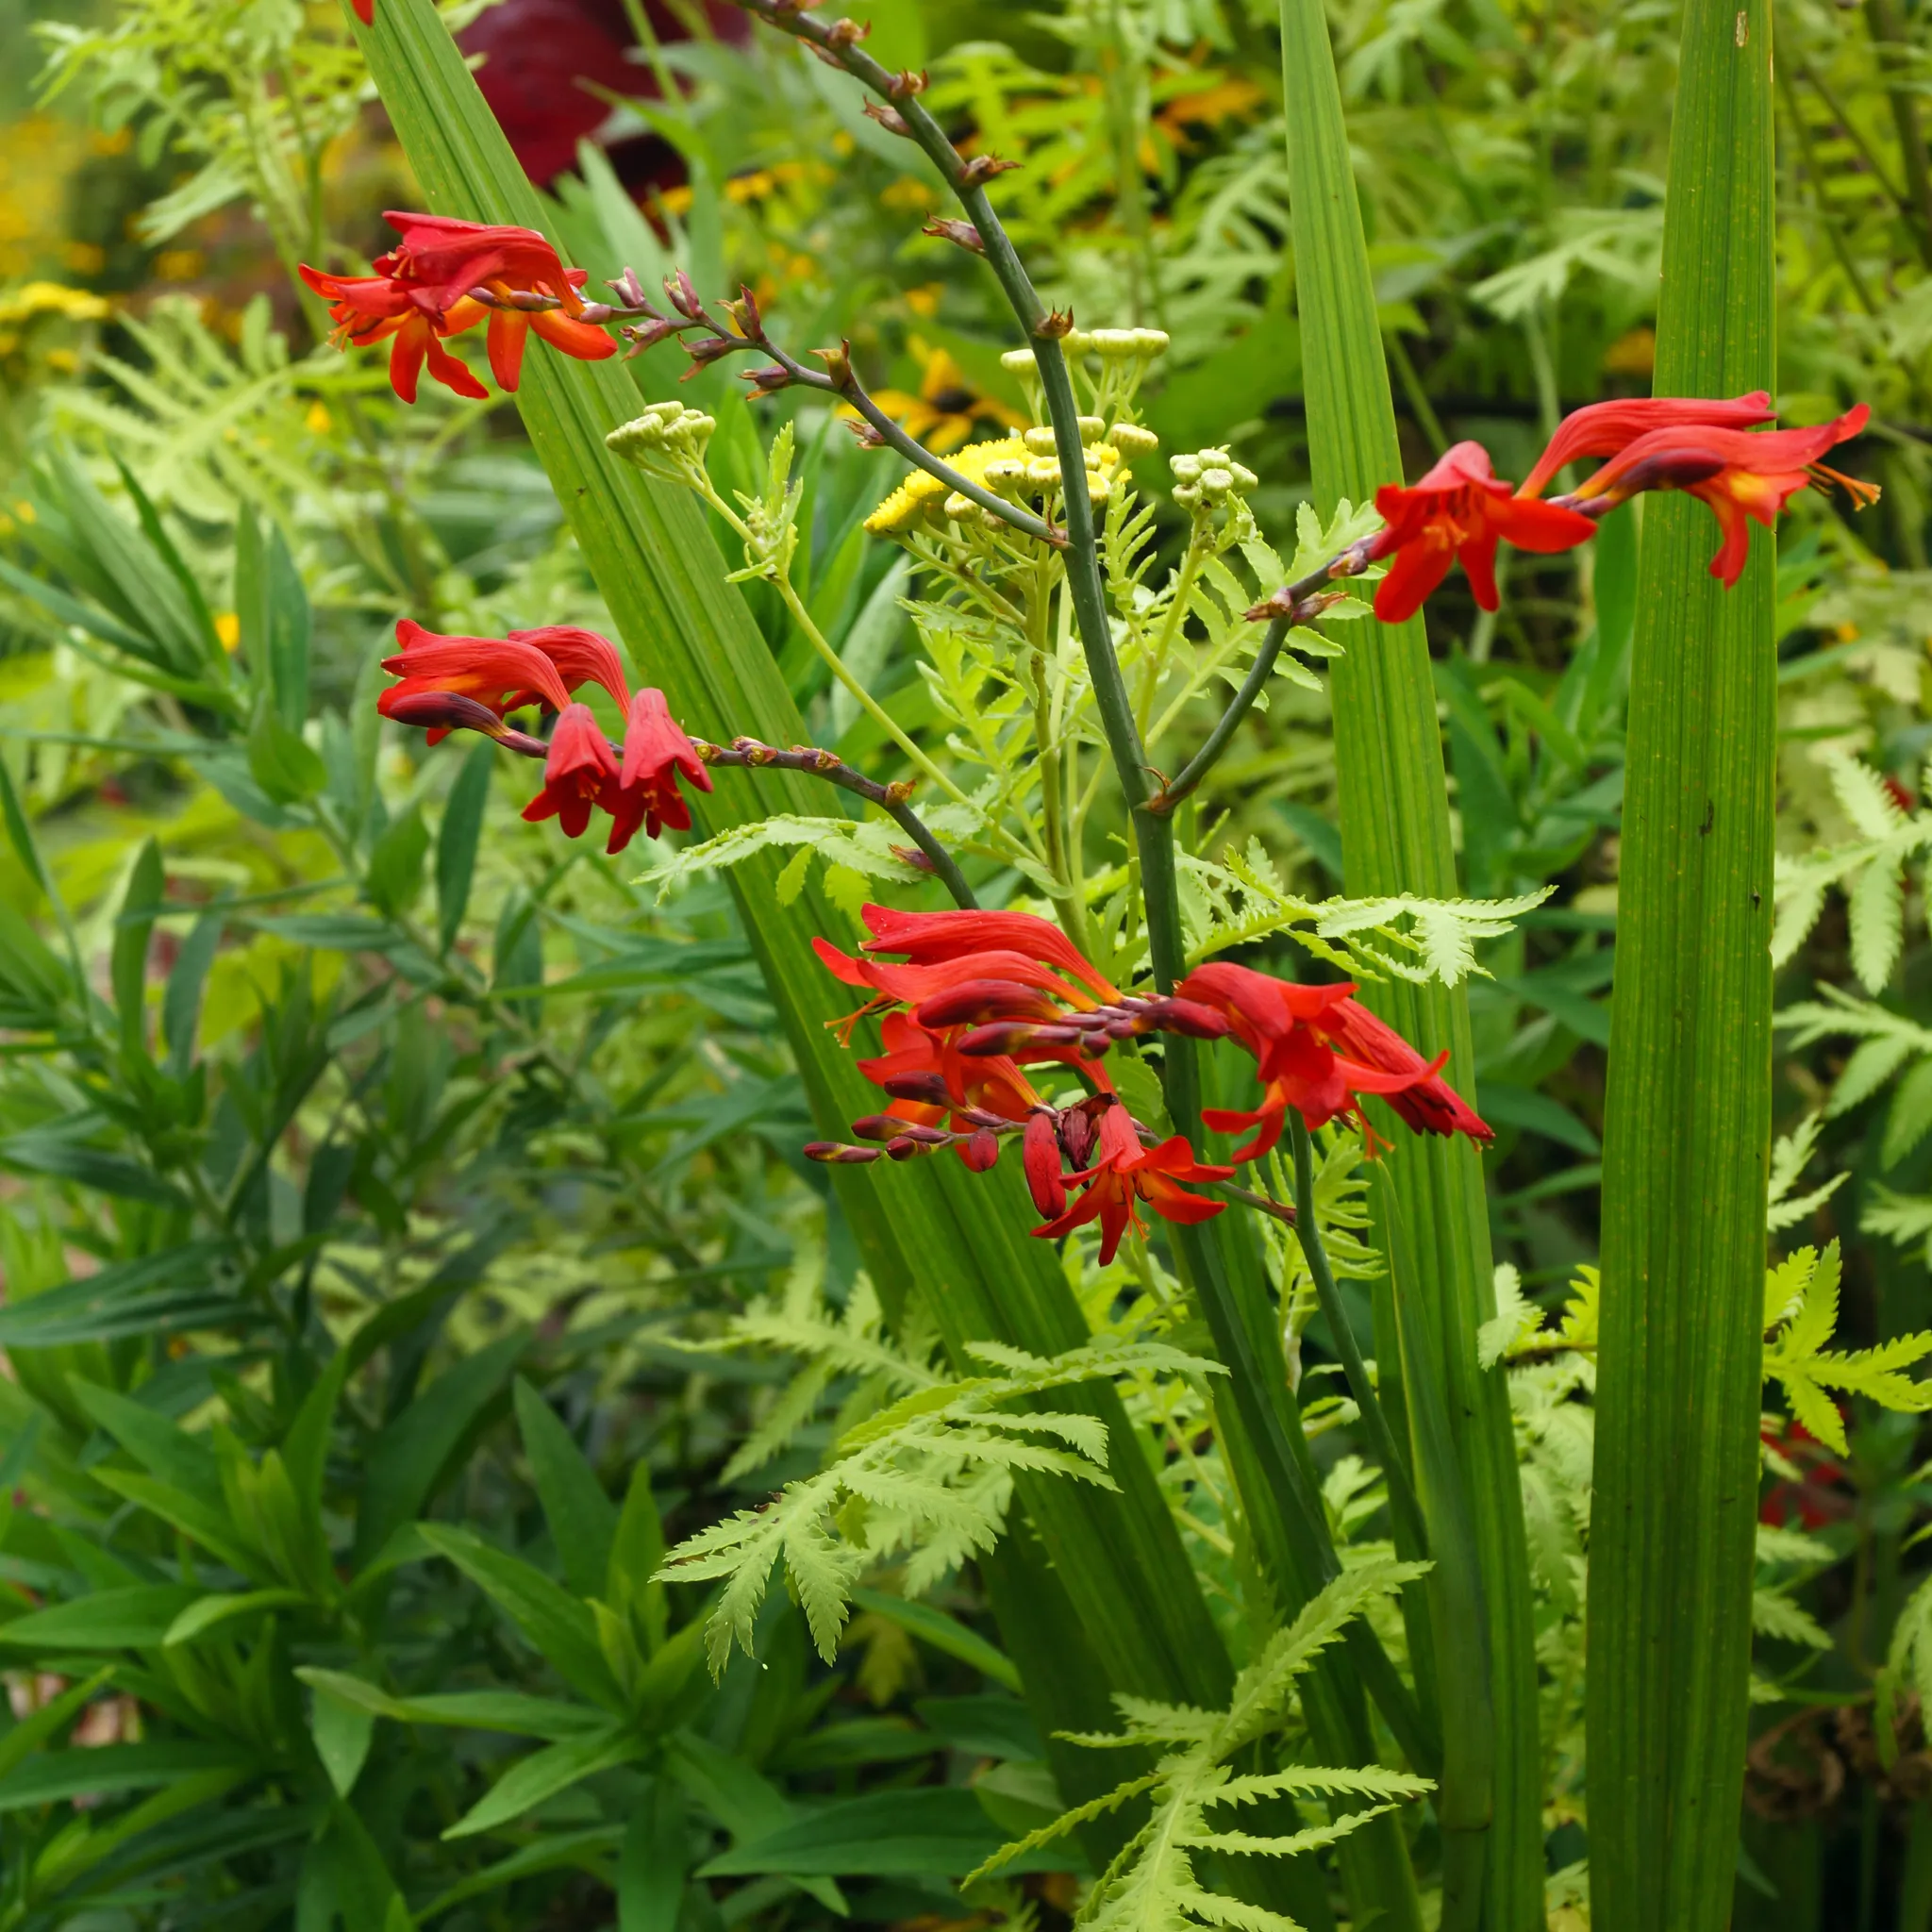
904	84
1054	325
889	118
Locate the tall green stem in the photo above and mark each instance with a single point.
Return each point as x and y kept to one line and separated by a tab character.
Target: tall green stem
1688	1115
1395	837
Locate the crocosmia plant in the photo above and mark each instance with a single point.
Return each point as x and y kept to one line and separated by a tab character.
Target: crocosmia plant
930	1083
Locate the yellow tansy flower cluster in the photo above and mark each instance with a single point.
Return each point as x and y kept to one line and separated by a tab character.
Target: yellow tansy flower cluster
1015	466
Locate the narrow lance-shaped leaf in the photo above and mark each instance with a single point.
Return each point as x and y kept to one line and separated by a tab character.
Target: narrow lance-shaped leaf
1395	837
1687	1117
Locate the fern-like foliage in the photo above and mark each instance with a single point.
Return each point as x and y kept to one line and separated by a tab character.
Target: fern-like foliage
929	1476
1888	1044
1801	1302
1868	869
1233	901
1154	1884
1791	1154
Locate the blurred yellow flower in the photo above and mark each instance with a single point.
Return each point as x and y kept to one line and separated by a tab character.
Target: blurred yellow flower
942	414
228	629
318	421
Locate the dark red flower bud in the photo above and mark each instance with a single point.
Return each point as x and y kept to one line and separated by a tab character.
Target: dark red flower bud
980	1150
985	999
837	1153
1040	1156
449	711
960	234
914	858
682	296
768	380
710	349
1078	1128
1191	1017
927	1089
878	1127
1018	1037
907	1145
982	168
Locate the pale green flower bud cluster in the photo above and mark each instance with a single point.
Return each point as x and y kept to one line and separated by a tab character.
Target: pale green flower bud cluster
1209	477
669	431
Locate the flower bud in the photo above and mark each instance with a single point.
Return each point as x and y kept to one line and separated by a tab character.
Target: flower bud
878	1127
1077	343
1132	441
1116	343
1020	363
1186	469
838	1155
1151	341
1005	476
962	509
1041	1156
1092	428
1044	471
1040	439
980	1150
1216	482
1187	495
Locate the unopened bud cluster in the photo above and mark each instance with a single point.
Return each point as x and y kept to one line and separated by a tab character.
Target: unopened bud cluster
670	432
1209	477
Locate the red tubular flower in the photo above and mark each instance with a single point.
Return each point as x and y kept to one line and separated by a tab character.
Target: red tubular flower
422	294
1458	512
581	657
1601	429
501	674
442	260
931	1081
1744	478
654	752
1318	1050
1127	1173
365	11
511	328
926	938
368	309
581	772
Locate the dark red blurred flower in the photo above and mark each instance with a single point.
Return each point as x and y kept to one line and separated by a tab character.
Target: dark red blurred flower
1744	478
1818	1496
1457	513
1125	1174
1601	429
1318	1049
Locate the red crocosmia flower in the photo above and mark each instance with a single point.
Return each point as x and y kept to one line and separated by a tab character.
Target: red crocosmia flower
581	772
581	657
511	328
1818	1496
368	309
501	674
1000	976
1603	428
923	937
1458	512
1745	478
1126	1174
1317	1050
365	11
442	260
654	752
